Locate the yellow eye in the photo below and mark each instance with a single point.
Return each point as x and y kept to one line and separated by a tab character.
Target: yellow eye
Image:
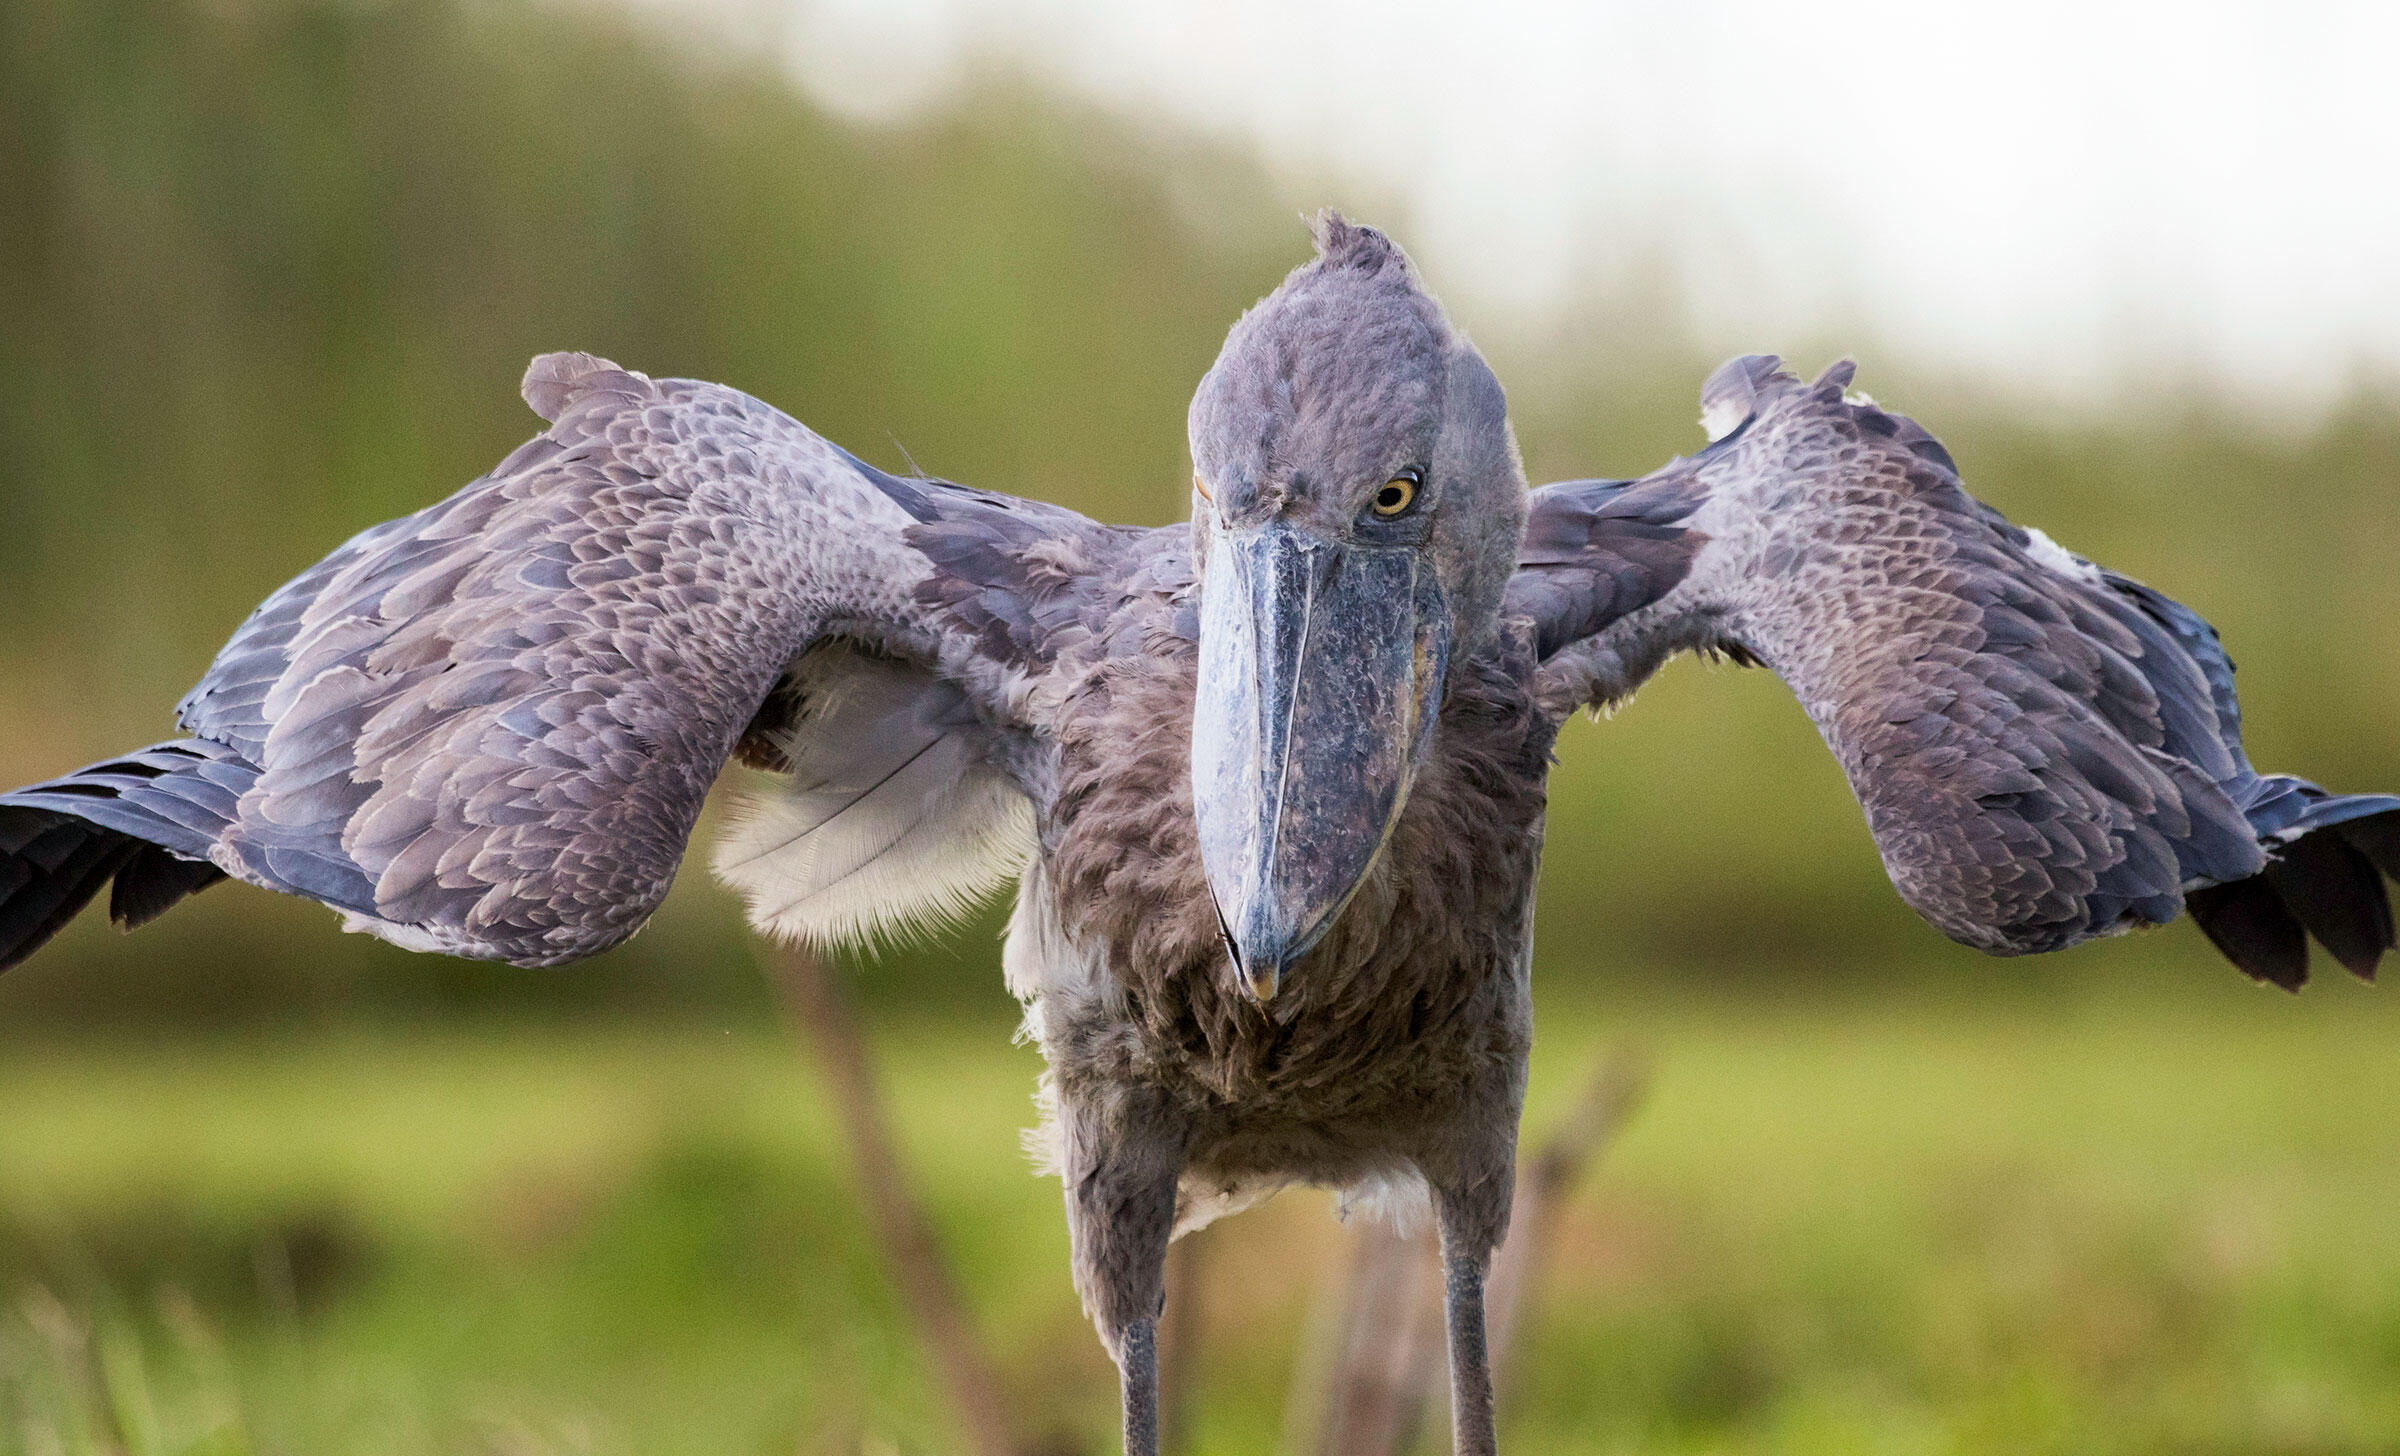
1397	495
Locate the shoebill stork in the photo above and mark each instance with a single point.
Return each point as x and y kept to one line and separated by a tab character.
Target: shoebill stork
1270	782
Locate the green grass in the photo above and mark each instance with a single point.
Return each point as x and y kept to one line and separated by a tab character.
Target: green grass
2146	1218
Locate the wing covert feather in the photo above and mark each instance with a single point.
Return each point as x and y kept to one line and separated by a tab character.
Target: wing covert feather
487	728
2045	751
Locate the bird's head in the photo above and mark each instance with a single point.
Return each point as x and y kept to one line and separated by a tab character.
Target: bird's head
1357	505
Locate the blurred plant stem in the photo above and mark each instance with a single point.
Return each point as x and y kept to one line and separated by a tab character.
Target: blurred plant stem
897	1219
1382	1363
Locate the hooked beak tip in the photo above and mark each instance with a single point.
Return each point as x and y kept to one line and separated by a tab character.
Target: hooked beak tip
1258	977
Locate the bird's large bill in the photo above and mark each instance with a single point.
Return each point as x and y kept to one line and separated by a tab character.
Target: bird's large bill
1320	669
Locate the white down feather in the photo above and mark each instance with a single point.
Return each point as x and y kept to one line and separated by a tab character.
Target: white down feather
890	821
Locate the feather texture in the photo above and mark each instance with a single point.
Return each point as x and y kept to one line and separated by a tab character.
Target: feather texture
889	817
487	728
2046	751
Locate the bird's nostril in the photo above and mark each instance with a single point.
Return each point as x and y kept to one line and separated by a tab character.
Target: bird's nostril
1325	560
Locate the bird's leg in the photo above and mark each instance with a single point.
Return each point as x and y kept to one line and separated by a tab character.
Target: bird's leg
1124	1153
1137	1363
1122	1266
1471	1421
1472	1222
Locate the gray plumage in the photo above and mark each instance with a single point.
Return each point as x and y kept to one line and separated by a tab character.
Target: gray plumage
2046	751
1273	931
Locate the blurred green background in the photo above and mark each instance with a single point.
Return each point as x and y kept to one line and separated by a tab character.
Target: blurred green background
269	270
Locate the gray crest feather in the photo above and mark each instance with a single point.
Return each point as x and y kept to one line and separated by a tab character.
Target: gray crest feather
1343	244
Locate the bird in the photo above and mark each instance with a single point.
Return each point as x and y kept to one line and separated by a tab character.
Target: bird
1270	782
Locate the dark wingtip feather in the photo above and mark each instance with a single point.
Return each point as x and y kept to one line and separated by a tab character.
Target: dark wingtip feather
140	818
2334	890
152	882
51	873
2248	921
2376	836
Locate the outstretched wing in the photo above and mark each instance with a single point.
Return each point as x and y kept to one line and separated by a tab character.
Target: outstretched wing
2046	751
488	728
